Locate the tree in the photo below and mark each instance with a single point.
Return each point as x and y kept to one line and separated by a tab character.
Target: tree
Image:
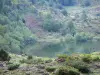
71	28
51	24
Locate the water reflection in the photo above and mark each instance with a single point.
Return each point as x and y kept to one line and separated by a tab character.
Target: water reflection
51	50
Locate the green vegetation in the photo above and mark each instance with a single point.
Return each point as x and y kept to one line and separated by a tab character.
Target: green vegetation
81	66
67	71
87	58
13	66
46	28
29	57
4	56
51	25
50	69
23	24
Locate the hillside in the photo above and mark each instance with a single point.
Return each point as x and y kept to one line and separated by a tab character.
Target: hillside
30	26
49	37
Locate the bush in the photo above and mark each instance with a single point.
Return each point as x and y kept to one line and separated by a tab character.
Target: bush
96	58
87	58
29	57
50	69
67	71
81	66
13	66
48	61
4	56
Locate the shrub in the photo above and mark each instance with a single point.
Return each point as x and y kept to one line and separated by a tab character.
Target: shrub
67	71
13	66
29	57
81	66
87	58
48	61
50	69
4	56
22	61
96	58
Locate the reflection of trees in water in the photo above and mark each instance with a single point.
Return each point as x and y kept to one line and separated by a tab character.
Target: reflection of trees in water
83	48
51	50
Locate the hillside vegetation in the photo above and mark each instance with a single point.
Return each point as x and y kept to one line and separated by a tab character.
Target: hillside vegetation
25	24
30	26
49	37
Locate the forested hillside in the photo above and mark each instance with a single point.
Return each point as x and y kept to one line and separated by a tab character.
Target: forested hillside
49	37
29	26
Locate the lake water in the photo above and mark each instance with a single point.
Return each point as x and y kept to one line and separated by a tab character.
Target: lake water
52	50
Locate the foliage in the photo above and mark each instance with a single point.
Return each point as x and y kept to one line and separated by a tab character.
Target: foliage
68	28
32	61
81	66
83	37
62	56
51	25
67	71
48	61
29	41
13	66
87	58
96	58
14	1
29	57
4	56
4	20
2	30
50	69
